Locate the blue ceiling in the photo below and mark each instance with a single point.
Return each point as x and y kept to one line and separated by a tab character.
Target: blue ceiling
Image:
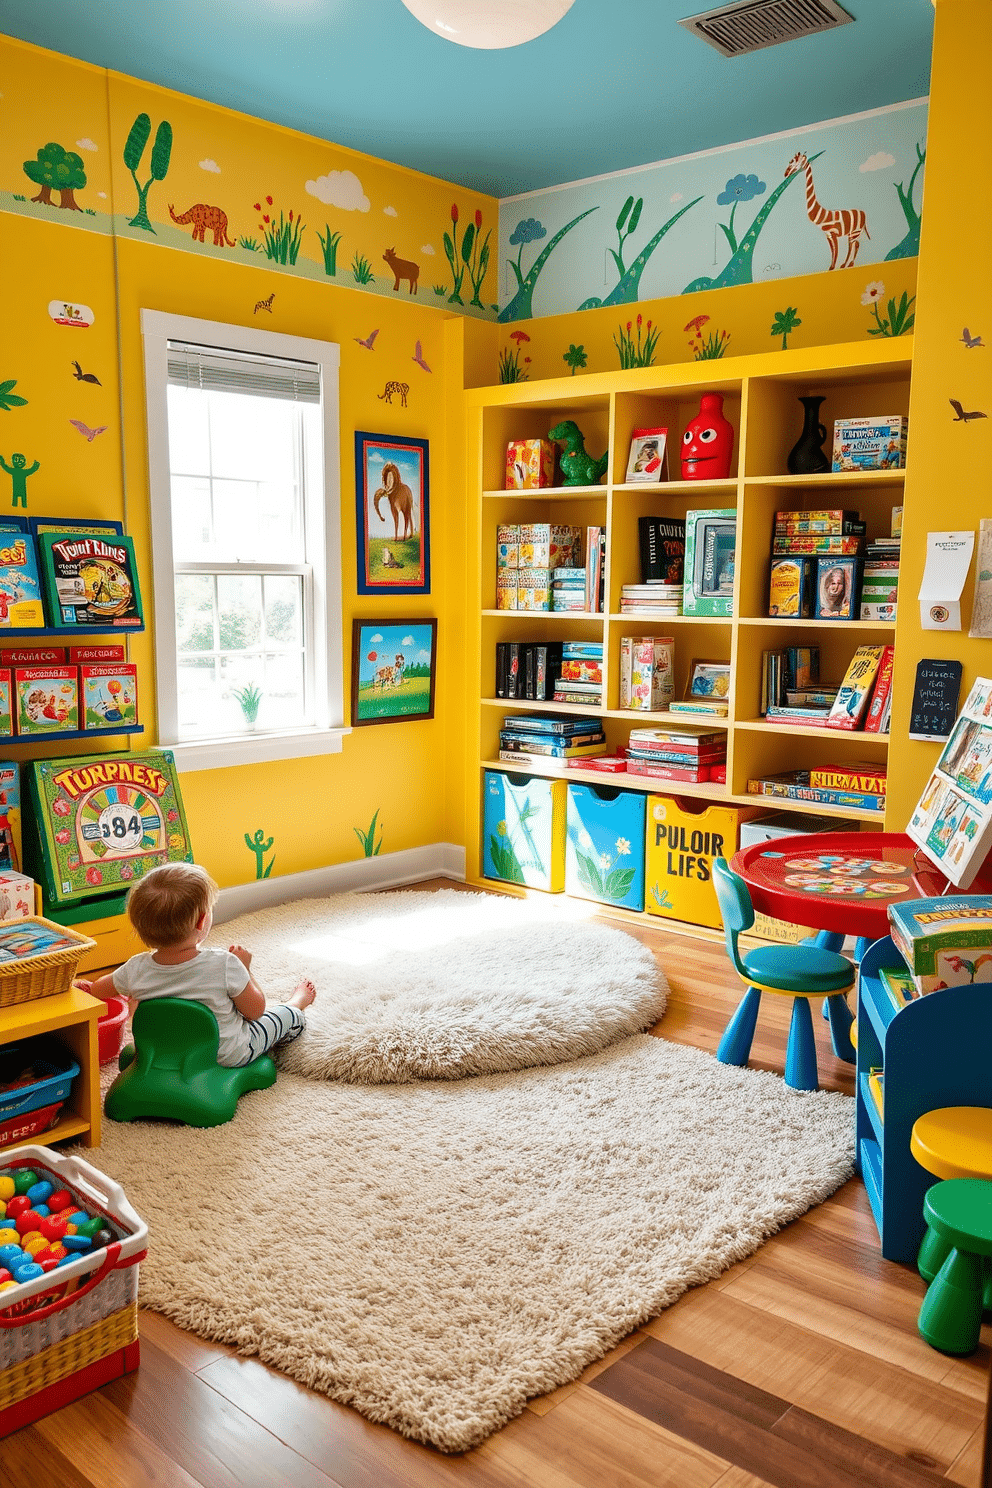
616	83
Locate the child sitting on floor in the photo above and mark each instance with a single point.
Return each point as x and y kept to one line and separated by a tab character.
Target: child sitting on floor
171	908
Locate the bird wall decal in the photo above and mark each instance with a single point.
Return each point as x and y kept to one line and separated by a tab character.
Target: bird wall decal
418	357
82	376
963	417
369	339
88	434
971	341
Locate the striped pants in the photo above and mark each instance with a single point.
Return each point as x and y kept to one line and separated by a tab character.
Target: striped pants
278	1024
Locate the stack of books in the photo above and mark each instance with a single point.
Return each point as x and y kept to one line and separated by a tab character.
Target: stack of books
681	753
568	589
528	670
581	679
880	579
859	786
864	699
595	569
657	599
790	685
806	547
526	739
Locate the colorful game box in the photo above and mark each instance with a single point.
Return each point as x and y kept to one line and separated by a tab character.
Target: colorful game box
108	695
16	896
791	587
20	588
530	463
47	699
945	941
11	857
103	821
79	654
90	580
870	443
710	545
647	672
6	713
838	588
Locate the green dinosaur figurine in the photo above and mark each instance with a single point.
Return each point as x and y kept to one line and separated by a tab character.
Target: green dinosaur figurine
577	468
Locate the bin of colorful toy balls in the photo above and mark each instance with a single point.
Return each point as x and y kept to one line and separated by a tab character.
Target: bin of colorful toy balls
43	1228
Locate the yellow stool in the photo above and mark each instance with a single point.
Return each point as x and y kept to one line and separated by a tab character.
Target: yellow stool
952	1142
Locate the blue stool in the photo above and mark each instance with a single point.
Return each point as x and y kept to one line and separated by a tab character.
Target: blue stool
800	972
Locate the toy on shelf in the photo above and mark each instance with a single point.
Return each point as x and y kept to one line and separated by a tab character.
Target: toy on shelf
577	468
530	464
869	443
807	456
708	442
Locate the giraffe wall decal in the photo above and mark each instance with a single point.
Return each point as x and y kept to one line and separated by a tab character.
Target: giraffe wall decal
849	222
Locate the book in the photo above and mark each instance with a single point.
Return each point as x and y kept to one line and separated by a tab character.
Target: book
898	983
815	544
852	700
700	705
833	521
611	764
90	581
579	699
804	717
648	458
582	648
594	745
683	736
881	693
546	762
661	543
581	669
541	723
838	588
868	779
668	772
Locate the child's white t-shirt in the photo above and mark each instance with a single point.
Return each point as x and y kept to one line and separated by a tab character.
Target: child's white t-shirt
212	977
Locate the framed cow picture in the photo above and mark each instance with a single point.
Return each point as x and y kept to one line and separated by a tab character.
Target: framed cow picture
392	487
393	664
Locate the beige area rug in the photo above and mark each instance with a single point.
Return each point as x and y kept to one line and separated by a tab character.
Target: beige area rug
439	985
435	1253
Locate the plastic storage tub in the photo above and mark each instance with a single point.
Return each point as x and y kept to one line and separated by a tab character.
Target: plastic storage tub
28	1110
75	1328
110	1029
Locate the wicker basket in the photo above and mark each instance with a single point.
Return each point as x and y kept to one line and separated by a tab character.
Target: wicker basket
56	1329
45	974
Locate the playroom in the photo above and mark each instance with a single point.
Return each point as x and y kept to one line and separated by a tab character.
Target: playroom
495	807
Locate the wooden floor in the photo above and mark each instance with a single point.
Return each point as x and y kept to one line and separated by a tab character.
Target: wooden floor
800	1366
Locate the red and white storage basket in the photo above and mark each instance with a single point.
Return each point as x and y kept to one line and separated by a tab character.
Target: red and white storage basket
77	1327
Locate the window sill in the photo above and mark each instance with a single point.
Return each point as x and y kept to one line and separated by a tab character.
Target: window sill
253	749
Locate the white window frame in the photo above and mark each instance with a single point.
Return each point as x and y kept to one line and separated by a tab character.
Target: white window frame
323	517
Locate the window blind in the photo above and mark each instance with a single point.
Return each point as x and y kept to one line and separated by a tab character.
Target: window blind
220	371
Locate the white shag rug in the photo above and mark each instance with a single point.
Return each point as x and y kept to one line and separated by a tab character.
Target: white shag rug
435	1253
439	985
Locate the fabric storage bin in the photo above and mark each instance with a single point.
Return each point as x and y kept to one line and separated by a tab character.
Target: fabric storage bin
26	1110
76	1327
683	838
523	832
604	845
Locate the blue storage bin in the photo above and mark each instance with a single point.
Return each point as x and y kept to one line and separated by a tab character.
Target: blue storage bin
604	846
523	832
56	1066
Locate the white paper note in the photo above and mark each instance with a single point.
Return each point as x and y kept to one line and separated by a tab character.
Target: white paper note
948	562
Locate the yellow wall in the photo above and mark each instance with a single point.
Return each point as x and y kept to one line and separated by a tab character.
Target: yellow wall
309	807
949	469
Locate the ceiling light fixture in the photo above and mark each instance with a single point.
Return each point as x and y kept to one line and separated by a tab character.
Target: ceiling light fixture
488	24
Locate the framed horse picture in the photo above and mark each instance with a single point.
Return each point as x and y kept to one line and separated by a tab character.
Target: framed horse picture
393	663
392	483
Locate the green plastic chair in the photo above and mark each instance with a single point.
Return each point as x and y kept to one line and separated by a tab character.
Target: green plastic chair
171	1069
958	1212
801	972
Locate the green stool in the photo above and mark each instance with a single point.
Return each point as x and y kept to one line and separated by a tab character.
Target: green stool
171	1070
959	1213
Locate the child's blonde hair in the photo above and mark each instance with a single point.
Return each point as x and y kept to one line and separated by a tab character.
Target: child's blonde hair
167	904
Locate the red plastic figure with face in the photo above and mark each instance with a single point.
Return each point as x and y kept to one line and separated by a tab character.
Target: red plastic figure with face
708	442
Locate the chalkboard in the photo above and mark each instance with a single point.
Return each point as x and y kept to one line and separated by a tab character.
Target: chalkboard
935	699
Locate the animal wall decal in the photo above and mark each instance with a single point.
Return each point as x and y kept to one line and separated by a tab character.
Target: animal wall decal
264	304
205	219
19	470
88	434
402	268
530	231
848	222
158	164
394	387
369	341
82	376
57	169
418	357
971	341
961	416
739	268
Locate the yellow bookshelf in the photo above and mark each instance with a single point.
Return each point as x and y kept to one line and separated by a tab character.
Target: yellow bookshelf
761	395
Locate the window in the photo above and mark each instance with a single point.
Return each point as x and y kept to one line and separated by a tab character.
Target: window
243	464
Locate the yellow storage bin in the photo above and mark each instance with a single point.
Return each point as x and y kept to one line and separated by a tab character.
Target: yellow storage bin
683	838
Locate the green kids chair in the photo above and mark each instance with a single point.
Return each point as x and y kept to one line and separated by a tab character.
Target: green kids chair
801	972
171	1069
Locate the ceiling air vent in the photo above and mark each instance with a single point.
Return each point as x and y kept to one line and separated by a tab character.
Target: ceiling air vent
750	25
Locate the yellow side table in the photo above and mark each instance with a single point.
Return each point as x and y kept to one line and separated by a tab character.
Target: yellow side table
73	1016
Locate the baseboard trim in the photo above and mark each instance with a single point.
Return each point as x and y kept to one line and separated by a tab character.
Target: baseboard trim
390	871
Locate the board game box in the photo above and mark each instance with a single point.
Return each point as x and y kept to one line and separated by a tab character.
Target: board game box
11	858
46	699
90	580
108	695
945	941
102	821
20	588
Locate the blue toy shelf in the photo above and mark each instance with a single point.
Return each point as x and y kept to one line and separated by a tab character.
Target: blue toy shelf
934	1052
